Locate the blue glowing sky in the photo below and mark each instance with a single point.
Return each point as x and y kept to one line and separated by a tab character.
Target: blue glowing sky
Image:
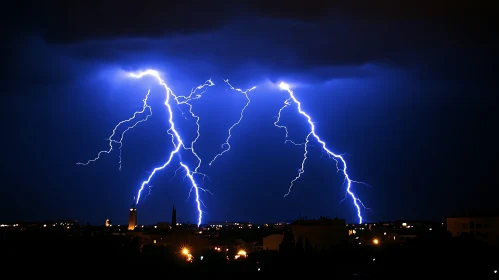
406	97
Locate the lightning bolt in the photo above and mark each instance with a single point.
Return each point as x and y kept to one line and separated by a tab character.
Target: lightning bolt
338	158
184	100
226	144
133	126
177	141
120	141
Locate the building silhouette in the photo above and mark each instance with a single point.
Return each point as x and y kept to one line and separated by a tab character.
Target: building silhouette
174	218
475	224
319	234
132	218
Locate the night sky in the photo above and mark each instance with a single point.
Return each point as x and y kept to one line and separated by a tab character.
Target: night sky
406	92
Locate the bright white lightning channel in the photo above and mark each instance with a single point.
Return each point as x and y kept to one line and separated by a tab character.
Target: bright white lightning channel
176	139
338	158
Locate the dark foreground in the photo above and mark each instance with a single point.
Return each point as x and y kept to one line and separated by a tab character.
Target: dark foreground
121	256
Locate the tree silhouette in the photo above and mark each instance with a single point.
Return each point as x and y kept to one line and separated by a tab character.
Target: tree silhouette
287	245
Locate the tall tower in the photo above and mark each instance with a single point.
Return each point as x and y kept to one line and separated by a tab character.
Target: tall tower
132	218
174	218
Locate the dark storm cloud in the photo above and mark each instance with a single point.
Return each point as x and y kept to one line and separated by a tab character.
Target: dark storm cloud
283	45
469	14
385	31
321	39
59	21
71	21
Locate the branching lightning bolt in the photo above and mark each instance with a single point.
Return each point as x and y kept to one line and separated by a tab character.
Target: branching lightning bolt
338	158
185	100
226	144
287	102
177	141
120	142
134	125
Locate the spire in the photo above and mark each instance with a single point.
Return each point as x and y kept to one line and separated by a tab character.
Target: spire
174	218
133	203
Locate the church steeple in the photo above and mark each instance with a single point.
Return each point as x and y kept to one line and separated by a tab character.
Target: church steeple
132	218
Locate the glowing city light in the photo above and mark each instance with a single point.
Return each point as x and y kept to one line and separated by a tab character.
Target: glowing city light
187	254
242	253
